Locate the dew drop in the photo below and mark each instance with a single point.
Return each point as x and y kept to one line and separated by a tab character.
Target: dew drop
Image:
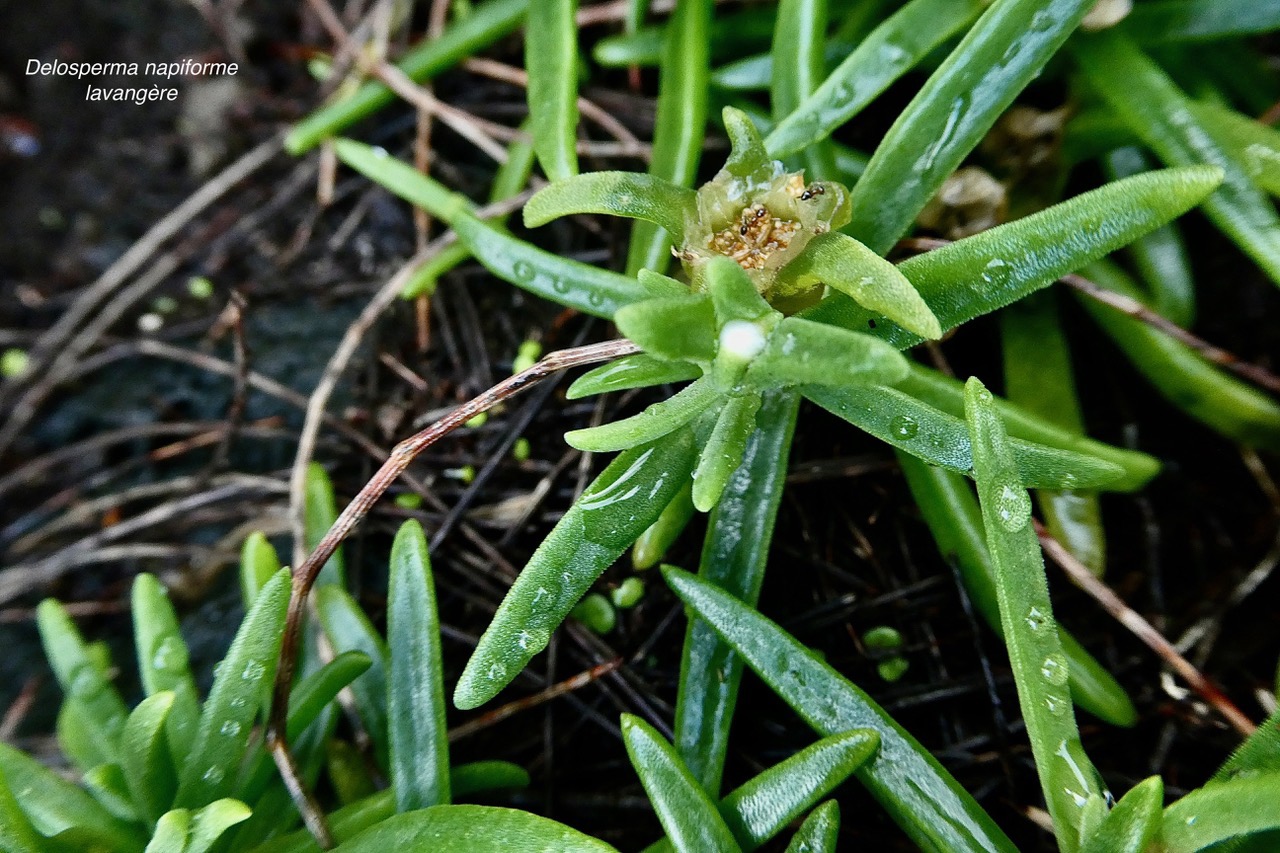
1055	669
214	775
1013	507
1036	620
523	270
891	54
253	670
926	161
1057	705
997	271
230	728
904	427
170	655
596	299
559	285
1191	821
86	683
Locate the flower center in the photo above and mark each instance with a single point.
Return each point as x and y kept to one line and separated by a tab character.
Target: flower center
757	235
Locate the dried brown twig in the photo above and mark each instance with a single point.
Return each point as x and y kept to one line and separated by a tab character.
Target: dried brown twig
305	574
1143	630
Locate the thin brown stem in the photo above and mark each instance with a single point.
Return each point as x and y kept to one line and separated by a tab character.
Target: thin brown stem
1143	630
304	576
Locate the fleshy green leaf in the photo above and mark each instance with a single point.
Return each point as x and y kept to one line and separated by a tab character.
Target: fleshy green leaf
1260	753
81	679
480	776
163	660
685	810
632	371
733	294
801	352
660	419
677	328
238	691
1162	116
309	701
630	194
1040	669
313	694
570	283
210	822
258	562
1001	54
472	829
171	833
348	628
843	264
987	271
1194	20
819	831
321	511
760	809
681	122
1202	390
1255	145
17	835
107	784
145	758
79	738
652	545
551	58
710	672
1221	811
616	508
722	454
906	779
415	684
798	61
942	439
889	51
1133	825
53	805
746	151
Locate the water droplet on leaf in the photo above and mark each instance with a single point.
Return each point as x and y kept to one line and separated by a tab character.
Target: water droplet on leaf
1055	669
904	427
1013	507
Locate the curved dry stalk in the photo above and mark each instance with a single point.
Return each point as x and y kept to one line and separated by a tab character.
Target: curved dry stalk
1143	630
304	576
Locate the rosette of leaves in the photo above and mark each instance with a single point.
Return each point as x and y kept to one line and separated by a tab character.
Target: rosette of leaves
738	347
779	229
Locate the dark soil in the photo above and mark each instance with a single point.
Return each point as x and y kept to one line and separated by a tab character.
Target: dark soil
134	432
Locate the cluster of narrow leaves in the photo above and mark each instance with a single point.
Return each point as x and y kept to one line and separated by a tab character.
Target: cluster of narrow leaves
786	294
173	773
